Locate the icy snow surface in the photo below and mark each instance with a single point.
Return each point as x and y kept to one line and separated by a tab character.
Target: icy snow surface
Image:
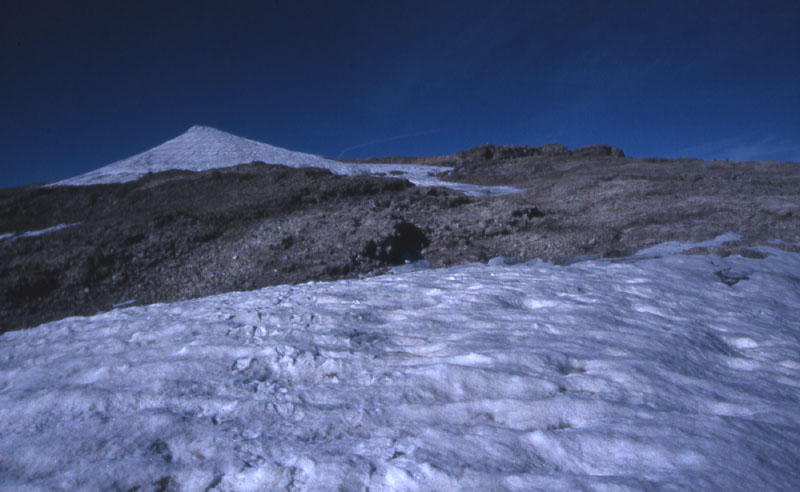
202	148
625	374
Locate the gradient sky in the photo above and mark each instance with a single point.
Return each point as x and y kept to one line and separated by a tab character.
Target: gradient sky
86	83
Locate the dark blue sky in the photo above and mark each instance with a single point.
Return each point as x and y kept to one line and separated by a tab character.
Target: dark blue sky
87	83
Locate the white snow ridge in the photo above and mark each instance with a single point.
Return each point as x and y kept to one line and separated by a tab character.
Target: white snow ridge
643	373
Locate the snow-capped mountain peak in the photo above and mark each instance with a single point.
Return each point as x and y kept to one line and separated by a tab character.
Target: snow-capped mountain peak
199	148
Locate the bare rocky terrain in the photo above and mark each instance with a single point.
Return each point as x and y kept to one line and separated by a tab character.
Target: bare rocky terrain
180	234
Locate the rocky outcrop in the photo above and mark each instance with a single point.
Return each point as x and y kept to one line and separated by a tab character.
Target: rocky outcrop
599	150
505	160
491	152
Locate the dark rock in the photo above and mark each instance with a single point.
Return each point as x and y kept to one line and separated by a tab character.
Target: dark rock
491	152
730	278
161	449
599	151
402	245
527	212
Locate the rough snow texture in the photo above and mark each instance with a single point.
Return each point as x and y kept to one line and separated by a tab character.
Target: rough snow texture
202	148
676	372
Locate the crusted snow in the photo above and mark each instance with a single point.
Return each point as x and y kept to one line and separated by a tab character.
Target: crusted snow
202	148
641	373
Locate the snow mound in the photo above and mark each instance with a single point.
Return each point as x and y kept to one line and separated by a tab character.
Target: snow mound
642	374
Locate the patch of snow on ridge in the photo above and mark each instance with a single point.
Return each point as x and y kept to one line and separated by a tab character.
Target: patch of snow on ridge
202	148
675	247
636	375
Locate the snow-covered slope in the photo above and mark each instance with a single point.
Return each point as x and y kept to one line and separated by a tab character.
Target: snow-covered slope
674	372
202	148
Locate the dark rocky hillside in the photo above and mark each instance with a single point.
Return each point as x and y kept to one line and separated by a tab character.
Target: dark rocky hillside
493	153
179	235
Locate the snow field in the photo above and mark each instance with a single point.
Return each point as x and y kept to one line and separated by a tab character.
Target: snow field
639	373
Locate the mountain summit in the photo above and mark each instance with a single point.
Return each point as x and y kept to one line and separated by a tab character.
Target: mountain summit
199	149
